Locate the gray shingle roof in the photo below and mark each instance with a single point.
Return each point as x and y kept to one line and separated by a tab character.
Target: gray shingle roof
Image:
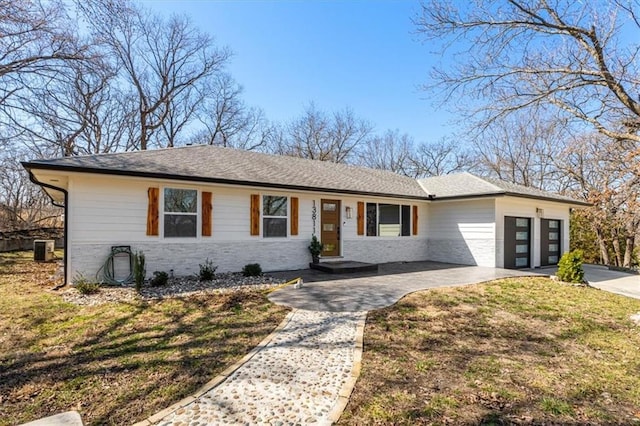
226	165
232	166
465	185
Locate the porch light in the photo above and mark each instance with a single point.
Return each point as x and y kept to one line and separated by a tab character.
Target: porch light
348	212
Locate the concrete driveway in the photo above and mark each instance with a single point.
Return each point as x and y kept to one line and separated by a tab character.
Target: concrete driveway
613	281
348	293
601	277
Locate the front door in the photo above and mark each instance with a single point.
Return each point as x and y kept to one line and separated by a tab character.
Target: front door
517	242
330	227
550	231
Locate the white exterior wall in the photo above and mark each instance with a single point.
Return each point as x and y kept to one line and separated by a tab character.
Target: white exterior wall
462	232
362	248
523	207
105	211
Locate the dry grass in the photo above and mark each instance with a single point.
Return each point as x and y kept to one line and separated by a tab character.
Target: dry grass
517	351
115	363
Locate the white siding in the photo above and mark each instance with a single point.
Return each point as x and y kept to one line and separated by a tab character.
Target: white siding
523	207
363	248
105	211
462	232
102	210
114	209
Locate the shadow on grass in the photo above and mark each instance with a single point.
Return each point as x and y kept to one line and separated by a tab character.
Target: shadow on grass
120	365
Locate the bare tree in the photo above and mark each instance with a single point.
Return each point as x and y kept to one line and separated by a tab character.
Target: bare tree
36	38
320	136
80	112
392	151
22	204
139	81
227	121
181	111
524	149
602	174
37	41
161	59
440	158
518	54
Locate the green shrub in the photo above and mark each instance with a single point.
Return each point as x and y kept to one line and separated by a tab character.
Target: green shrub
570	267
252	270
84	286
207	271
160	278
315	248
139	269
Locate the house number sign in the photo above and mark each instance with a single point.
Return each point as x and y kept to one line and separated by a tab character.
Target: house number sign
314	216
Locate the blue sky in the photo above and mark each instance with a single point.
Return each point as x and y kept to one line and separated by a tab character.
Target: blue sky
354	53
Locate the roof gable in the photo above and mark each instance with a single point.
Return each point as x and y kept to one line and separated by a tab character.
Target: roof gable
467	185
457	185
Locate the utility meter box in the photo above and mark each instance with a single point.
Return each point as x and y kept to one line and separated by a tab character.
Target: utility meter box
43	250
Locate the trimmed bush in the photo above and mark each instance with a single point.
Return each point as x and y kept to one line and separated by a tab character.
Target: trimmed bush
207	271
315	248
570	267
252	270
84	286
139	269
160	278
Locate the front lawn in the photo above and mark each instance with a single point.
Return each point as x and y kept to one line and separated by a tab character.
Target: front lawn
115	363
516	351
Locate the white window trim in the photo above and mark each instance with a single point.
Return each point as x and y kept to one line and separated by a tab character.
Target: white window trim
263	216
198	214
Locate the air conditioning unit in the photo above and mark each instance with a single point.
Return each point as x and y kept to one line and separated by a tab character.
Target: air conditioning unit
43	250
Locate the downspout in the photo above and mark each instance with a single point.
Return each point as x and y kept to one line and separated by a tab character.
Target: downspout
33	179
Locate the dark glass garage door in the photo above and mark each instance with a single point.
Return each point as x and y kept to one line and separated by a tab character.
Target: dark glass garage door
550	249
517	242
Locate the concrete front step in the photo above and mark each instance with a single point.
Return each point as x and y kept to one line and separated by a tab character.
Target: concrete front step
344	267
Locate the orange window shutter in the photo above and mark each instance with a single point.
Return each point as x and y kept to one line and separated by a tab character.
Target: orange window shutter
360	218
415	220
207	207
255	214
294	215
152	211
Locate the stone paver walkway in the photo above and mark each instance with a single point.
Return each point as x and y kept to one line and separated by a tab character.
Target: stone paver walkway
373	291
295	379
306	371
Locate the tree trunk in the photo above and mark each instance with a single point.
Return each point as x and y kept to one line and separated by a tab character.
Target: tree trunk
616	249
604	252
143	131
628	250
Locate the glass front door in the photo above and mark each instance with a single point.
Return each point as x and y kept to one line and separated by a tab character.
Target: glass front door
330	227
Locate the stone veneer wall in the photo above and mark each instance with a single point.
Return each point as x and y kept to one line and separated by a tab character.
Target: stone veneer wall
381	250
185	258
